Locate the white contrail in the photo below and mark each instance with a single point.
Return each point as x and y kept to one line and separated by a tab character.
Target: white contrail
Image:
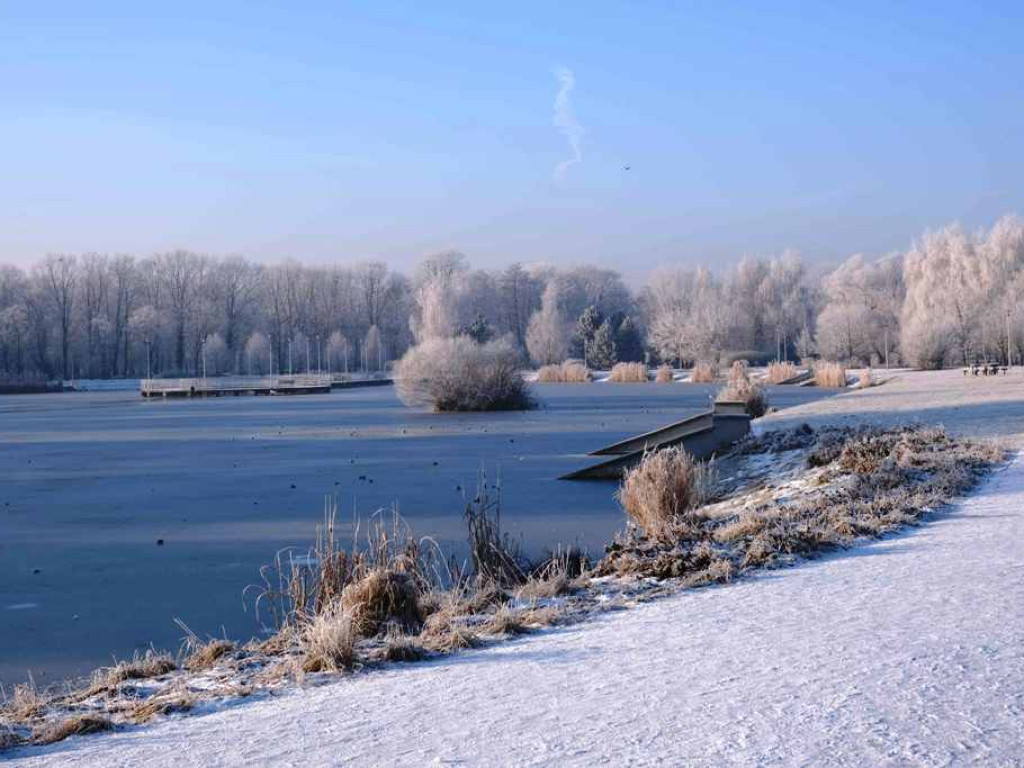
565	121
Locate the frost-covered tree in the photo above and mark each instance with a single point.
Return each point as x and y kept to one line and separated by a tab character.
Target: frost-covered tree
946	288
257	354
860	320
547	337
687	318
438	288
215	355
338	352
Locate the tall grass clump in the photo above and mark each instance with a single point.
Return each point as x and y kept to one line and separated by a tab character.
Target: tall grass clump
741	389
569	372
629	373
704	372
659	494
664	375
830	375
738	371
865	379
779	372
458	374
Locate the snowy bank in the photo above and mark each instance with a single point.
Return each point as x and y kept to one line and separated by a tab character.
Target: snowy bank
909	651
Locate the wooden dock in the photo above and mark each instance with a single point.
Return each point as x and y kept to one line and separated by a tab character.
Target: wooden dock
236	386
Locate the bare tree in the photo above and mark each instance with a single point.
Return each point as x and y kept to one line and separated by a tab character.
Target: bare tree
59	274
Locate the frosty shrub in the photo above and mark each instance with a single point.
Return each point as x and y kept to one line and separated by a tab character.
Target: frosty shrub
658	493
628	373
703	372
780	372
831	375
460	375
664	375
569	372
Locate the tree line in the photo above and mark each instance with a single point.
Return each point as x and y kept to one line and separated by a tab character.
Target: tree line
950	299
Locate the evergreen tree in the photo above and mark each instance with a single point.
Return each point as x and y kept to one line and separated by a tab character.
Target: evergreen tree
586	328
628	342
601	352
479	330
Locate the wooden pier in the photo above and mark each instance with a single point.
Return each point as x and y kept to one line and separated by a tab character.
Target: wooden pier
226	386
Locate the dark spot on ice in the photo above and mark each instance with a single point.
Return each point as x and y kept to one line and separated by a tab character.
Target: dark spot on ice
36	570
458	487
159	542
436	463
293	486
362	477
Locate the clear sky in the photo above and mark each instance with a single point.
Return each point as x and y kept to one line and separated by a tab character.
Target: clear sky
336	130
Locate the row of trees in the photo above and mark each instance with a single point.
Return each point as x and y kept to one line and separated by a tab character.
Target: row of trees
951	299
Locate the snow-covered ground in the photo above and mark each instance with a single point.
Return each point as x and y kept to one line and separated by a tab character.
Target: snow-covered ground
908	651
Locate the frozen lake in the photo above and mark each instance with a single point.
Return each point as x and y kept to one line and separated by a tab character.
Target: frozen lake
90	481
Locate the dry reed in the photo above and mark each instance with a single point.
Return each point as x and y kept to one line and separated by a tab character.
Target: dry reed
569	372
664	375
629	373
704	372
779	372
660	493
830	375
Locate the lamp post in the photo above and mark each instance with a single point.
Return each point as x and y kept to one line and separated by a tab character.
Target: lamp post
149	364
202	347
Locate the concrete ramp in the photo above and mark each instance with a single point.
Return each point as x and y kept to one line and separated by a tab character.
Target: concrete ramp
702	436
658	437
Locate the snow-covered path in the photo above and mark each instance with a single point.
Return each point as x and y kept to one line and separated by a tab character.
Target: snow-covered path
904	652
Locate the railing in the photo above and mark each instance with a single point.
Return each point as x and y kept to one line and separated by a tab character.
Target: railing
234	383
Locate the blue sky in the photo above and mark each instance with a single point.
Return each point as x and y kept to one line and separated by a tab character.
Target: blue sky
341	131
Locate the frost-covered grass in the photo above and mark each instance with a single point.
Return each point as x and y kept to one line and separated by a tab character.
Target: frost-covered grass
847	484
781	496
